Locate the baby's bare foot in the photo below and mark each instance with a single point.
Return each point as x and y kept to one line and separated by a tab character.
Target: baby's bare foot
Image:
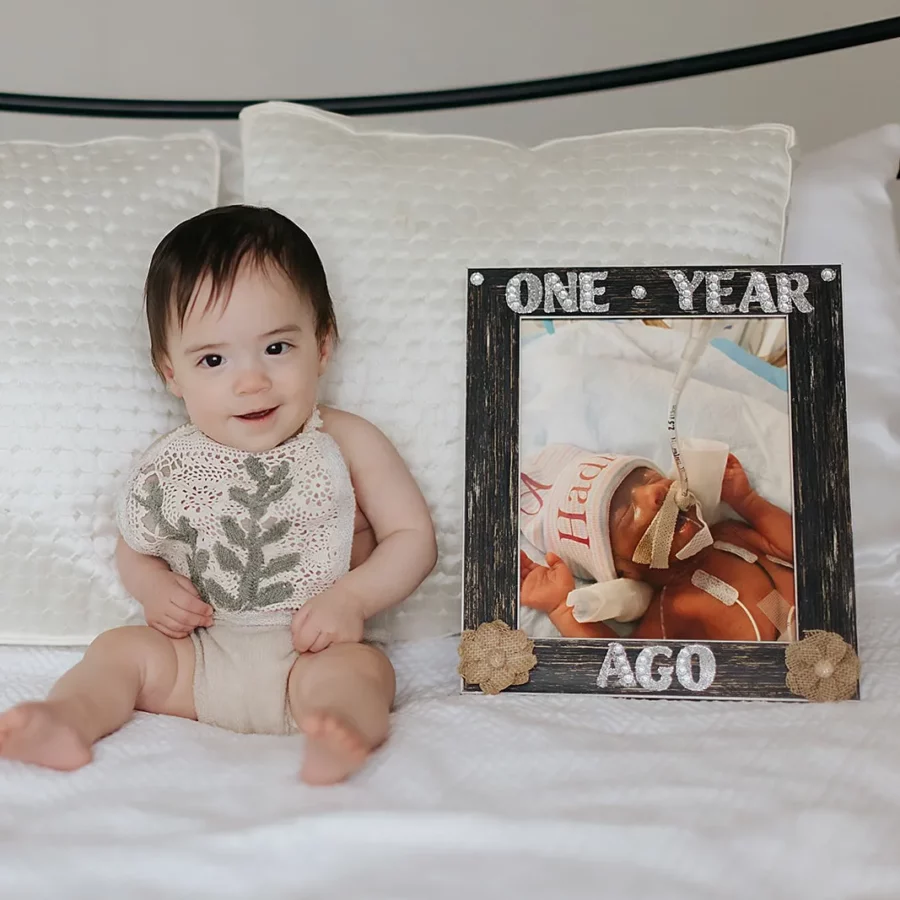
335	749
35	733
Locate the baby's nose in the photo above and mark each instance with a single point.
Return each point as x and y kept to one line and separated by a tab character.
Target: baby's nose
251	381
656	492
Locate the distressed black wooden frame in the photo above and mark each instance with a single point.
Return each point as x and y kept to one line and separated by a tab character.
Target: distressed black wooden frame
823	558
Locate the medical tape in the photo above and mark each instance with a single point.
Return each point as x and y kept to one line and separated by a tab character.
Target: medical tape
777	610
700	541
745	555
656	544
723	592
715	587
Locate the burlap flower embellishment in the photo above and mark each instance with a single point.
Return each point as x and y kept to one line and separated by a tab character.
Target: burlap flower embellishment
822	667
495	656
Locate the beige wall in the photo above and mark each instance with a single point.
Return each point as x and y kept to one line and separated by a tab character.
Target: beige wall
220	49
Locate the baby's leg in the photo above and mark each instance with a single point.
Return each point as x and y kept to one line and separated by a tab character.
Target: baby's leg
341	699
123	670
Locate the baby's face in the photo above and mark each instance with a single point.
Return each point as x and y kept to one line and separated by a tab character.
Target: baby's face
634	505
257	354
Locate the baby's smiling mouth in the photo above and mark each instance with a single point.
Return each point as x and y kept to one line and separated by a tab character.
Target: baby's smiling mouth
258	414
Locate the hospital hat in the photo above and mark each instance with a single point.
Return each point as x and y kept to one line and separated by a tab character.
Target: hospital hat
564	498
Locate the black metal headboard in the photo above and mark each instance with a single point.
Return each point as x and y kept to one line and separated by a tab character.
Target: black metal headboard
422	101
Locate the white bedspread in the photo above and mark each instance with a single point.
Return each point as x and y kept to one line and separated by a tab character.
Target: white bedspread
507	797
517	796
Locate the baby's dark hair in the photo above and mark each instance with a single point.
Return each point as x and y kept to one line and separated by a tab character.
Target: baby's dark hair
215	244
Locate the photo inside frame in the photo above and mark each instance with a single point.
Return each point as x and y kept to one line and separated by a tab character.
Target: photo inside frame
616	539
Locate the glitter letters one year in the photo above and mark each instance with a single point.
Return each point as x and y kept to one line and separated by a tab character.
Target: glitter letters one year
755	292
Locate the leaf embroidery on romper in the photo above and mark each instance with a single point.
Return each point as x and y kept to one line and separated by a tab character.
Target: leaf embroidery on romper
247	560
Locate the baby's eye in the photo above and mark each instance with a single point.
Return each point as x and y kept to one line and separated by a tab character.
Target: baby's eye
212	360
282	348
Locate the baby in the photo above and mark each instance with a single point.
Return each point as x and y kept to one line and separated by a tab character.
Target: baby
590	514
260	536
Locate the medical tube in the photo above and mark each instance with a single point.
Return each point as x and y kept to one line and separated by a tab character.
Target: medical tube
698	338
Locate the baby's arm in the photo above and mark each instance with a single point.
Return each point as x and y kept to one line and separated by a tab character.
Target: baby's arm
171	603
773	524
405	550
546	588
363	540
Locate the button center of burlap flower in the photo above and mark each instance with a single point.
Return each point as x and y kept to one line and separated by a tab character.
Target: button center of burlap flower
497	659
824	668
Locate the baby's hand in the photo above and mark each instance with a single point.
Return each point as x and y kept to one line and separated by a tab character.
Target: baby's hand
333	617
544	587
735	484
172	605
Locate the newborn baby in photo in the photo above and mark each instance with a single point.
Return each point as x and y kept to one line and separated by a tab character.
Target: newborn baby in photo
592	515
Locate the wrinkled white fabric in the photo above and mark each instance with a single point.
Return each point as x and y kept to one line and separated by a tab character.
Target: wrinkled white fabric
475	796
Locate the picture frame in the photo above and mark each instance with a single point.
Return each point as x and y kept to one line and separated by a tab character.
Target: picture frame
823	642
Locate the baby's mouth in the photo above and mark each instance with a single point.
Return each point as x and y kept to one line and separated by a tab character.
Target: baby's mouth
258	415
685	520
658	542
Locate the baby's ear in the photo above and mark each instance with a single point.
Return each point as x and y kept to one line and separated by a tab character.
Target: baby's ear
326	348
168	374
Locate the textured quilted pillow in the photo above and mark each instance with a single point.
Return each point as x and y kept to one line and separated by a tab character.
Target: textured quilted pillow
841	211
78	398
398	218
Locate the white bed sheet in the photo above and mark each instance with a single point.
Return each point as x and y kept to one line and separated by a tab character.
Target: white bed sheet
606	385
518	796
513	796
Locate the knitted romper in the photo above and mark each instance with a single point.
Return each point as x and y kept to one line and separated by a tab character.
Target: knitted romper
257	534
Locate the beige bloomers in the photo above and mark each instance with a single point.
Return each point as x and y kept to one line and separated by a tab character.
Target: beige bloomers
241	672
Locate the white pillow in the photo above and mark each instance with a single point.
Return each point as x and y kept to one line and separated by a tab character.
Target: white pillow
231	184
78	398
398	218
841	212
